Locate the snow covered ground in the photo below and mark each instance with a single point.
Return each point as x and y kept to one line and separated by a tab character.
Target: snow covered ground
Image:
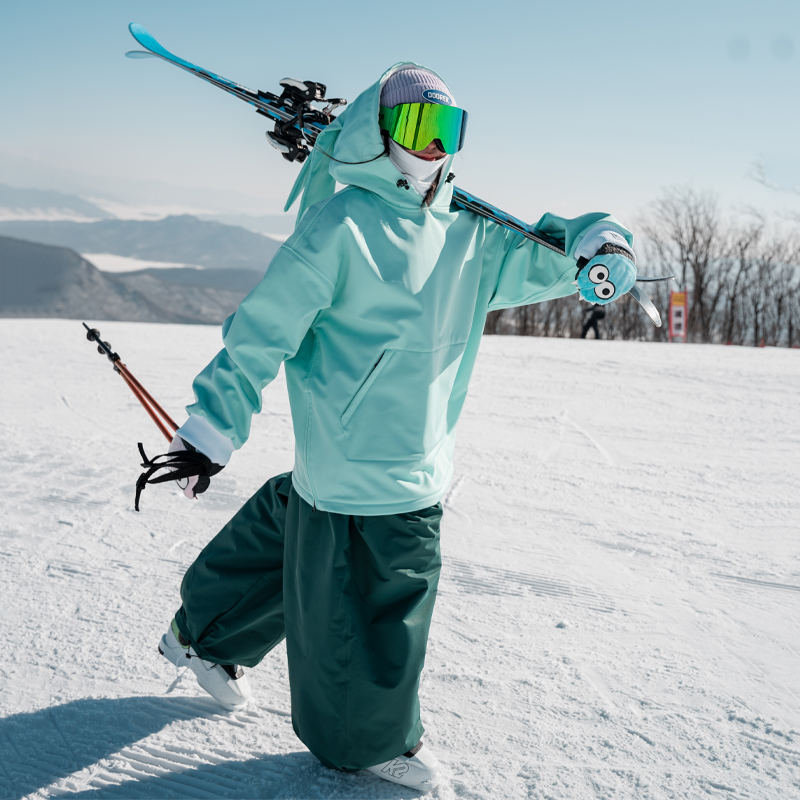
620	596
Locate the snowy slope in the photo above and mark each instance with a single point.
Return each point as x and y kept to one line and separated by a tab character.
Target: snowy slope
109	262
620	594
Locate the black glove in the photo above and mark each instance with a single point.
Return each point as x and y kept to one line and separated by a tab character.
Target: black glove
182	461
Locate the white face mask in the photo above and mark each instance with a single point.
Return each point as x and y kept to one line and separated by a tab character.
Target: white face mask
420	173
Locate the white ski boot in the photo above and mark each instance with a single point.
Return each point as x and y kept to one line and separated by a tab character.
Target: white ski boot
225	683
417	769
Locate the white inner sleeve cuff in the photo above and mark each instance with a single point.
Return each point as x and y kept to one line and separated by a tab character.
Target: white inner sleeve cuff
596	237
201	434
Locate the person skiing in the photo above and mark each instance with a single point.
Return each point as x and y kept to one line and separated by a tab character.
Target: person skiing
591	316
375	306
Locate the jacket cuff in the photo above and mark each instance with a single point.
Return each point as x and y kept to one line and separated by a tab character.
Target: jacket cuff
596	237
201	434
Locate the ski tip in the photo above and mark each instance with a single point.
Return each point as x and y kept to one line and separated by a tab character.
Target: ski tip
142	35
646	279
139	54
647	305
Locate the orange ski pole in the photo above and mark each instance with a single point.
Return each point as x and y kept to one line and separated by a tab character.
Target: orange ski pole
154	410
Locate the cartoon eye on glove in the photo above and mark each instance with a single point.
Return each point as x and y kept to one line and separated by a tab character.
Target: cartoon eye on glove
606	278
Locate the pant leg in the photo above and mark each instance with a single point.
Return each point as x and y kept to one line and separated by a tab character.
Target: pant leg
596	330
359	594
232	595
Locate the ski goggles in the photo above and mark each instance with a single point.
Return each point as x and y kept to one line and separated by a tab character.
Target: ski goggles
416	125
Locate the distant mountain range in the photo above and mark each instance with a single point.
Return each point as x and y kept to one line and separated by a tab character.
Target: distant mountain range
17	204
180	239
38	280
37	205
278	224
42	273
129	194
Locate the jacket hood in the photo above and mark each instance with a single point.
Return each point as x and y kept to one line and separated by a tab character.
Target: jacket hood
354	136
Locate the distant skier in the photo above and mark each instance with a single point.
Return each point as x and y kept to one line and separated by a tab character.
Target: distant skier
375	306
591	316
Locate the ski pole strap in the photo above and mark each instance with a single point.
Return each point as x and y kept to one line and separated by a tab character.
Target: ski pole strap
175	466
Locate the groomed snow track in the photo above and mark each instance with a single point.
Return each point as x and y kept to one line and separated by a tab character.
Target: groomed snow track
619	602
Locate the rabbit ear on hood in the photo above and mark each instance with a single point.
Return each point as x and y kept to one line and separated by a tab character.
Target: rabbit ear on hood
315	181
359	124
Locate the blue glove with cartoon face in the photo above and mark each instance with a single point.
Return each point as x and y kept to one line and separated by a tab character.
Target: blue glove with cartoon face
606	277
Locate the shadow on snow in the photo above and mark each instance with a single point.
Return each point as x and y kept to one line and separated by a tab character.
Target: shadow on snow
62	743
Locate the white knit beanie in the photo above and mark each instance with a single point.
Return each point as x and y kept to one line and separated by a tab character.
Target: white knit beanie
414	85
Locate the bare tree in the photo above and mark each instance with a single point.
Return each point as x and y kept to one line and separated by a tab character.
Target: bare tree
687	235
771	291
492	324
742	276
784	293
526	317
737	266
792	314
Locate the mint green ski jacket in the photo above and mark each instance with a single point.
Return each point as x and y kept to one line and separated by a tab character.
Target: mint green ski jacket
376	308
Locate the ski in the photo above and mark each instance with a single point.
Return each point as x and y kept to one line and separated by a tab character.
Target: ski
291	112
298	124
646	303
469	202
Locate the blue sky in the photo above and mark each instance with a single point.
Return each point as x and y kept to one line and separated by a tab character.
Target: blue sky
574	106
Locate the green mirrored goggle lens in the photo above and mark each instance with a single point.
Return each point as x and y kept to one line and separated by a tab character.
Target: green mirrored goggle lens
416	125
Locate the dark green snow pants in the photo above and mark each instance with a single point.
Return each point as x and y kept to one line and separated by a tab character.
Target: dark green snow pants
352	595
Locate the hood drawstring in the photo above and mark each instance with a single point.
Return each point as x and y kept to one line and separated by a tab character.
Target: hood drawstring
351	163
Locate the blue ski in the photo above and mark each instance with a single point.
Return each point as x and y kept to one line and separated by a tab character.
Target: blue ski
265	103
298	124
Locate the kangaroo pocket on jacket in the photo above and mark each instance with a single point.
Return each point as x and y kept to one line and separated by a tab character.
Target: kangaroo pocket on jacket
400	411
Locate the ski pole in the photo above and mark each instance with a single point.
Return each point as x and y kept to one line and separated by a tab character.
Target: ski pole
156	413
